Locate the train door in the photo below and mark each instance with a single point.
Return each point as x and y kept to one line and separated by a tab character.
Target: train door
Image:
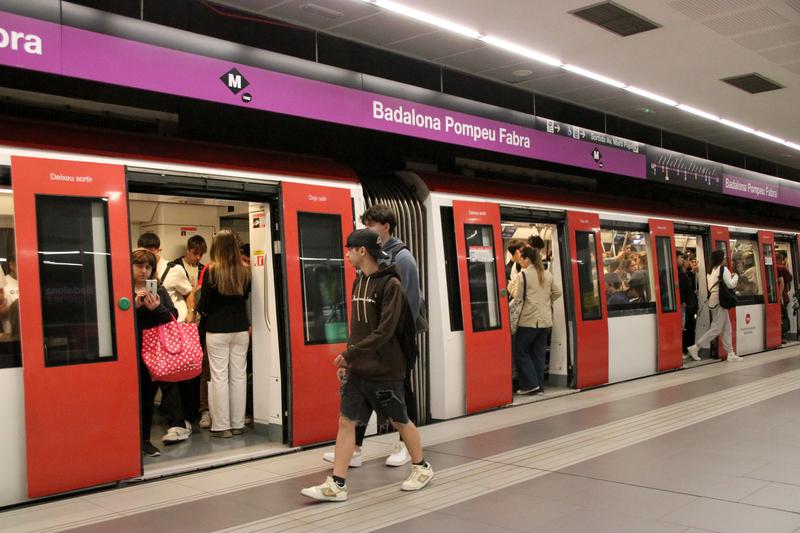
315	223
76	323
521	225
691	265
786	252
670	327
482	282
719	239
590	337
772	305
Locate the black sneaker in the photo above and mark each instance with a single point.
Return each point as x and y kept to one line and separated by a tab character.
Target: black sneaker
149	450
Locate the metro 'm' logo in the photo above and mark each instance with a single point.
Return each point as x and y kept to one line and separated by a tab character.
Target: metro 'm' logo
16	40
234	80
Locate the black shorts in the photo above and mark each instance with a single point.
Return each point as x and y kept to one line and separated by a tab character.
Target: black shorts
359	397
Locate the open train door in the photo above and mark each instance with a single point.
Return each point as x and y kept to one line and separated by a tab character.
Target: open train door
316	223
721	240
670	328
487	336
76	324
588	286
772	300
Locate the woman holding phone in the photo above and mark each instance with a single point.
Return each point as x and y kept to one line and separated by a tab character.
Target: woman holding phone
153	308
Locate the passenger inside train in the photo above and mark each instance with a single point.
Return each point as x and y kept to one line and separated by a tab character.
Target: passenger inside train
625	265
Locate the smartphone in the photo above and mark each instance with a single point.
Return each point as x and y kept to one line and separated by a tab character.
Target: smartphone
151	286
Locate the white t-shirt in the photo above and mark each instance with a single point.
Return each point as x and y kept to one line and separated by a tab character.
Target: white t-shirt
179	285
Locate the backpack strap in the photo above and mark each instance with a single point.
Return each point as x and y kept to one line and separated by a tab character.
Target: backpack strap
166	271
396	250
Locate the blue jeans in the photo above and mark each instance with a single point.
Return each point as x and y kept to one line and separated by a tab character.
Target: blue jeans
530	356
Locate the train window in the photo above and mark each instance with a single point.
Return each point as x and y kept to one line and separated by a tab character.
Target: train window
769	268
666	278
482	277
588	285
451	269
322	275
10	354
75	279
628	276
745	262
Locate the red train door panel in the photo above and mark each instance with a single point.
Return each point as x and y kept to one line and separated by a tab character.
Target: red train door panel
772	300
668	305
721	240
77	324
316	223
487	336
591	321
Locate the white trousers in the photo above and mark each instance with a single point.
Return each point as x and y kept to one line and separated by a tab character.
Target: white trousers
720	323
227	390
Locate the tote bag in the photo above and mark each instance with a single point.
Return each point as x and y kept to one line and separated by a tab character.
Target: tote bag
171	352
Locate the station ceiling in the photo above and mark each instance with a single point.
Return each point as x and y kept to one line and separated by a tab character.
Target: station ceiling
696	44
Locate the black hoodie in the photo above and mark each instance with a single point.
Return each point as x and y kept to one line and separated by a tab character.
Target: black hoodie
373	350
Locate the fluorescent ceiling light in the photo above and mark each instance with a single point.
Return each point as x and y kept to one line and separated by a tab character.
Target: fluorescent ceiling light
770	137
736	125
521	50
698	112
594	76
652	96
427	18
793	145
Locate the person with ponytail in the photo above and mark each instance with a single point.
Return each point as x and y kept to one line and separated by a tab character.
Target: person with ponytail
224	306
539	291
720	320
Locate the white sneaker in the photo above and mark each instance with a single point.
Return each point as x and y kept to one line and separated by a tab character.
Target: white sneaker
355	460
205	420
327	492
420	476
399	456
733	357
177	434
693	352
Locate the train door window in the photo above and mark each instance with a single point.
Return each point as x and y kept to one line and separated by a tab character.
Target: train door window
772	292
322	274
10	353
745	261
451	268
482	276
74	273
666	279
628	276
588	275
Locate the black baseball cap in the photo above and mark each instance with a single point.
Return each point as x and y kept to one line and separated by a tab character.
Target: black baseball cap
369	240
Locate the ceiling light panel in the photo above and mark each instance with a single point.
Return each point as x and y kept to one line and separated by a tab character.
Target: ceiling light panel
652	96
593	75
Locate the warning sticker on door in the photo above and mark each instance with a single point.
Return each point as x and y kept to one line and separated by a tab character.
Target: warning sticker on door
259	220
481	254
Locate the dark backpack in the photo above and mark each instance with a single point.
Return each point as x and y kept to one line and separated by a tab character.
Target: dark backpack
421	325
727	296
406	332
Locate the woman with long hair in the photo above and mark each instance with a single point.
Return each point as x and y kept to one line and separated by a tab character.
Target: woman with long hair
152	310
223	305
537	288
720	320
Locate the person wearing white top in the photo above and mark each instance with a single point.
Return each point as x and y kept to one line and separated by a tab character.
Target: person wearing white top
182	274
720	320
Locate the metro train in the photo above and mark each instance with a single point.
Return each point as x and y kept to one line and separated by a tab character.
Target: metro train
74	202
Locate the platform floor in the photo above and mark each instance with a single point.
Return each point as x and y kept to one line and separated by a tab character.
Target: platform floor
712	448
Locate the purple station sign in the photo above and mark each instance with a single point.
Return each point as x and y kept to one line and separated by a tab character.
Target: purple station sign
49	47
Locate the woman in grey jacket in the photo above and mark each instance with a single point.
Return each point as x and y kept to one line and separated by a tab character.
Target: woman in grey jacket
720	319
535	321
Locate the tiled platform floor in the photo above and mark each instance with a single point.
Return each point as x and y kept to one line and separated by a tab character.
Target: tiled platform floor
713	448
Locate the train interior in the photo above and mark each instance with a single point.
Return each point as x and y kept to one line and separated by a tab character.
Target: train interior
786	248
175	219
691	246
557	368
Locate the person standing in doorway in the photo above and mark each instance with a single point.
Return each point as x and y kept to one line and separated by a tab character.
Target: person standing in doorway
784	286
224	307
383	220
180	277
720	320
535	321
373	366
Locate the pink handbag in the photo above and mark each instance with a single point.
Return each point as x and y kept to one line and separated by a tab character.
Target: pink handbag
172	351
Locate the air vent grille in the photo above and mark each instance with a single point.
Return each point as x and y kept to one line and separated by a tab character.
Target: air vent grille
752	83
615	18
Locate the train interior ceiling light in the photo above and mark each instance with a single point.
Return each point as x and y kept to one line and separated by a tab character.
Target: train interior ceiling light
540	57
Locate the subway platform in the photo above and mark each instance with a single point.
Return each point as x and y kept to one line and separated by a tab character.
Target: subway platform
711	448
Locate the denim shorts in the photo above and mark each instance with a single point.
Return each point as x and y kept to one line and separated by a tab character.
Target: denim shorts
359	397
